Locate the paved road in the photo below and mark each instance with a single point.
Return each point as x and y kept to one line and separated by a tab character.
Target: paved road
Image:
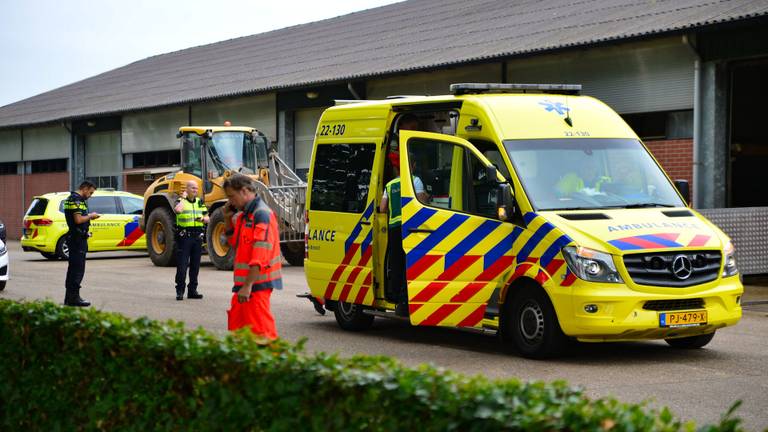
698	385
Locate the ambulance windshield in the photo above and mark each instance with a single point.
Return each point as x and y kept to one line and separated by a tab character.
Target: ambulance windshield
590	173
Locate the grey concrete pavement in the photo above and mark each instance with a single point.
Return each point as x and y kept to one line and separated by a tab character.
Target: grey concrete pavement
697	385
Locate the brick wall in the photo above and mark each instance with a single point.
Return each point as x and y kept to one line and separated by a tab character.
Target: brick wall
13	205
676	157
135	183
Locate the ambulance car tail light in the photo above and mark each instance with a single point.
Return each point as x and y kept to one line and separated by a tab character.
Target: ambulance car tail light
729	269
306	233
43	222
591	265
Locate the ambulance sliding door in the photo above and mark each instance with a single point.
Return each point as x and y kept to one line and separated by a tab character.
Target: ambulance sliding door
454	243
341	213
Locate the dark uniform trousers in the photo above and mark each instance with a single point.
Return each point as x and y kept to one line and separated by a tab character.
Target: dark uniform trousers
188	253
78	247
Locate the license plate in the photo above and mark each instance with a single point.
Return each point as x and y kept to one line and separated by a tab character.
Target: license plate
682	319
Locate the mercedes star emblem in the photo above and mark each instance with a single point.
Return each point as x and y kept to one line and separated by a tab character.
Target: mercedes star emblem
682	267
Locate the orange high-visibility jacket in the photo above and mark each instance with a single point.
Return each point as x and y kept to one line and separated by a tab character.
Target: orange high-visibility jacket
256	240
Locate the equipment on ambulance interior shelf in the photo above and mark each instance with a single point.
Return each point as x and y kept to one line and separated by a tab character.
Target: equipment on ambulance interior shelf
45	228
210	154
536	226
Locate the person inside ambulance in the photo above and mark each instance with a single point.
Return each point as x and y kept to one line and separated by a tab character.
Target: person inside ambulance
588	180
396	290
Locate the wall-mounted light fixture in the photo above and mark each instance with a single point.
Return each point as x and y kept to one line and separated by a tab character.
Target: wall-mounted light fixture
312	95
91	123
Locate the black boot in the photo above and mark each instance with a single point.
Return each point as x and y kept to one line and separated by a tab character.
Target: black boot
194	295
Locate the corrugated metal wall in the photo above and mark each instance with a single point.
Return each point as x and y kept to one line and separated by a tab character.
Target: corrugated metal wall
257	111
631	78
10	146
46	143
432	83
153	131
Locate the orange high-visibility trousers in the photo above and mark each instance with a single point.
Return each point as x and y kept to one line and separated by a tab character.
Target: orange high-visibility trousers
255	314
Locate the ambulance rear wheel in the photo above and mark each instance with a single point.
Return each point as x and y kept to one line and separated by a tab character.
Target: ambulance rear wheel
691	342
219	251
49	255
351	317
293	253
529	323
161	240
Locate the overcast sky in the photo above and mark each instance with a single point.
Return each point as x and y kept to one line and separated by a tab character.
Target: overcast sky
46	44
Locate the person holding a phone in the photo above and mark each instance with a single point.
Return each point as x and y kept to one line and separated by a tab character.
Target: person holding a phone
254	234
191	218
79	222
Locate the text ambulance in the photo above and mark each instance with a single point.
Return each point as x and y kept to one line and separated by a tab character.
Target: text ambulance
526	209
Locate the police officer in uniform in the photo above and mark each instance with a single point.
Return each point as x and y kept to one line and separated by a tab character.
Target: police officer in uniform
78	221
191	217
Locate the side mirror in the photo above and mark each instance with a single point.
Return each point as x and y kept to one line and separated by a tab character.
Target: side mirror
684	189
505	202
490	174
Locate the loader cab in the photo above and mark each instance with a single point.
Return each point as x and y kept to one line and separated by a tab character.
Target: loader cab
208	152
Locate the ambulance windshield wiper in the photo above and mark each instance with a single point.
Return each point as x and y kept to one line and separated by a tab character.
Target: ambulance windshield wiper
645	205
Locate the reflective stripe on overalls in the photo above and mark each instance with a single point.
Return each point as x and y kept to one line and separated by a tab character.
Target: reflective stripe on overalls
257	243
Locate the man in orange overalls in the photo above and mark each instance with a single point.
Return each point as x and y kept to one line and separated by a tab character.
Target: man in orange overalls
255	237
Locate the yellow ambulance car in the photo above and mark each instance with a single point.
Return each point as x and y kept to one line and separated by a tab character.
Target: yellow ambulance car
117	228
541	215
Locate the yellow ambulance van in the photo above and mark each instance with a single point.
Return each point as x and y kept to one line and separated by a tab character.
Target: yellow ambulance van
525	209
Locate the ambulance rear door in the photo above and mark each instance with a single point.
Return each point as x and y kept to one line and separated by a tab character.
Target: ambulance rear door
457	250
341	221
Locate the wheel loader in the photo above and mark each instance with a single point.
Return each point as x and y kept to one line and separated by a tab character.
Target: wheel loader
210	154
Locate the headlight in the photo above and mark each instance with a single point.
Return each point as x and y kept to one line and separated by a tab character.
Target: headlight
591	265
729	269
3	249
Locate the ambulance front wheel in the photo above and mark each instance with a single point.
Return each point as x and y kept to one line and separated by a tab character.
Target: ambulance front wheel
351	317
529	323
691	342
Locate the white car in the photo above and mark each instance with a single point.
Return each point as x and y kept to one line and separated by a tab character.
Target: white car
5	273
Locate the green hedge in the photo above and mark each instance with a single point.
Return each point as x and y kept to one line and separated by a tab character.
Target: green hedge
75	369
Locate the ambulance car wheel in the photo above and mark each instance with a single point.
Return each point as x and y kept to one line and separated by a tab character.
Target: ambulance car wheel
49	255
219	251
62	249
530	323
691	342
2	285
161	240
293	253
351	317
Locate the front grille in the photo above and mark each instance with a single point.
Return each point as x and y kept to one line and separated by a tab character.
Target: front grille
671	305
656	268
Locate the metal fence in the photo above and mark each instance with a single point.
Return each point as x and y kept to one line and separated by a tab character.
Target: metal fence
288	204
748	229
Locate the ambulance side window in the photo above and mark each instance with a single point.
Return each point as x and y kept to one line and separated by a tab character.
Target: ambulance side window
102	205
452	176
341	177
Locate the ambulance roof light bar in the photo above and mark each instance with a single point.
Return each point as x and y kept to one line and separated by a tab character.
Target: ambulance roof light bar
477	88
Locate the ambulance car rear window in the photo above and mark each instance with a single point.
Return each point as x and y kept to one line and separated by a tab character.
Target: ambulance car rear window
37	208
341	177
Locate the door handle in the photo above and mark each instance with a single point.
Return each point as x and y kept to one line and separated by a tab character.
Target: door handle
365	223
420	230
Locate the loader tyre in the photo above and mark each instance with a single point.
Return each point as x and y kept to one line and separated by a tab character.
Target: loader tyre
161	239
220	253
293	253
